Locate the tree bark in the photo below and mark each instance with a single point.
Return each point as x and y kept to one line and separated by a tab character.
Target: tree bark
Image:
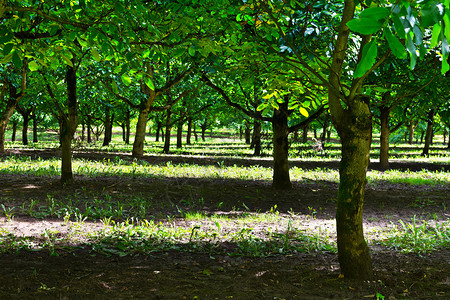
88	128
256	138
13	99
26	120
305	134
203	127
168	129
355	131
180	135
189	132
353	123
108	128
247	133
194	126
429	133
281	179
14	131
35	123
158	130
69	126
384	137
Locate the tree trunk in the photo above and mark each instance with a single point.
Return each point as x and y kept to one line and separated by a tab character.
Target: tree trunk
448	138
14	131
281	179
429	133
189	132
247	133
203	127
88	125
26	120
158	130
14	98
384	137
179	135
141	126
355	131
256	138
128	127
168	129
107	124
195	132
124	131
69	126
305	134
35	122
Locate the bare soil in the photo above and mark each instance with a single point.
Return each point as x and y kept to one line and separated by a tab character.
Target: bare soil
84	274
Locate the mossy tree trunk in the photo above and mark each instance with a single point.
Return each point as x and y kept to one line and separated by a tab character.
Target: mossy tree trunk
353	122
355	131
281	179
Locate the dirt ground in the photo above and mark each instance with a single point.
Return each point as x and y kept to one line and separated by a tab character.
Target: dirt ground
85	274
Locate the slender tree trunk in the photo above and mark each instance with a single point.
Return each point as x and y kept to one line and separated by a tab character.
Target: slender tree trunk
14	131
89	130
203	127
180	135
11	103
256	138
194	126
281	179
124	131
107	124
429	133
247	133
189	132
305	134
69	127
141	126
448	146
26	120
35	129
127	127
168	129
158	130
384	137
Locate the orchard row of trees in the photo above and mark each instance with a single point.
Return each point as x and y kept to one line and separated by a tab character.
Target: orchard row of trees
283	62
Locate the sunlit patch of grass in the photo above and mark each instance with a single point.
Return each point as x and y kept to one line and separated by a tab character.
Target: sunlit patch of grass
423	177
418	237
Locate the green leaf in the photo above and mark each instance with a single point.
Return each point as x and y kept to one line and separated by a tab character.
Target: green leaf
304	112
33	66
376	13
399	28
275	105
115	88
369	55
435	35
96	55
432	13
412	51
6	38
6	59
17	60
364	26
7	48
148	81
397	48
126	79
66	60
262	106
447	25
191	51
